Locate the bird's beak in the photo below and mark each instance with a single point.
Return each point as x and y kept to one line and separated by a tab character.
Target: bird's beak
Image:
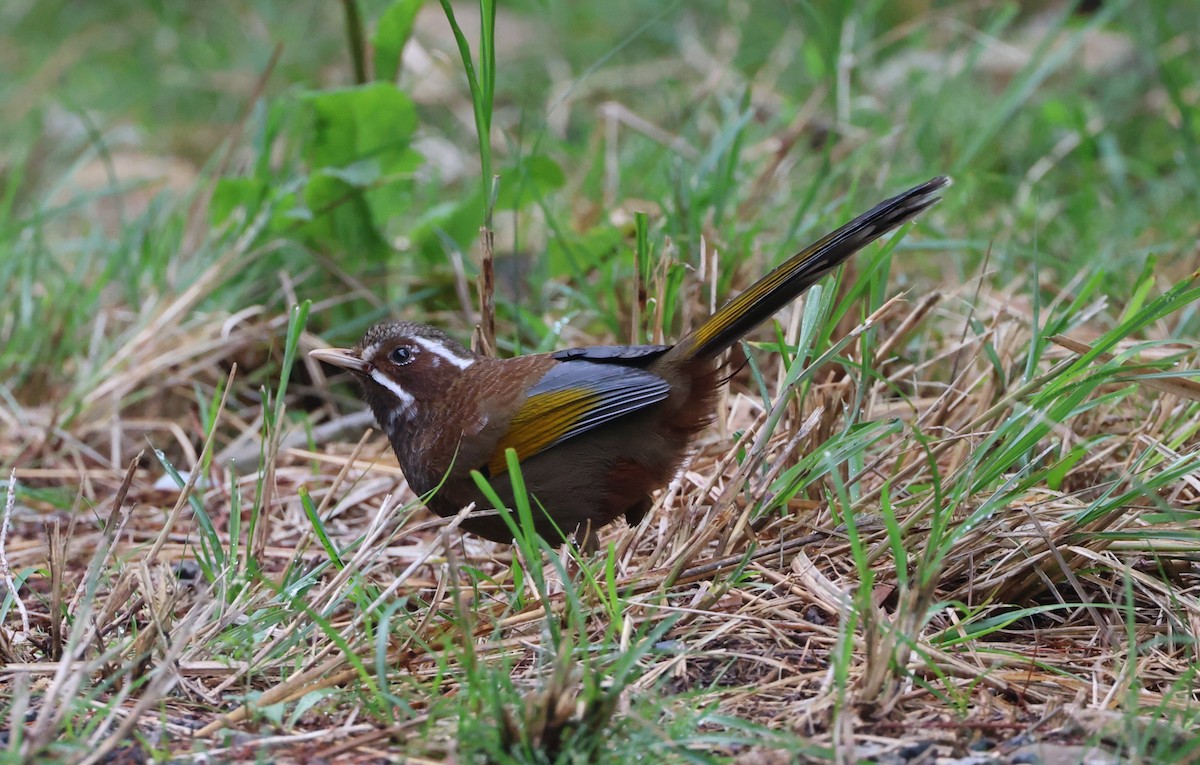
340	357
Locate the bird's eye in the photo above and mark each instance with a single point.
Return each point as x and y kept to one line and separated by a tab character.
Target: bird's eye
401	355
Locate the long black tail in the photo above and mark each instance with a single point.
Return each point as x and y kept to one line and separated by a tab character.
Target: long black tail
785	283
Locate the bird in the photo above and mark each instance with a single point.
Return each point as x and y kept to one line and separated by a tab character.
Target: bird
596	429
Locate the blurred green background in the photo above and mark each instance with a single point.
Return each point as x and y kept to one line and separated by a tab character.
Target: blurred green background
144	141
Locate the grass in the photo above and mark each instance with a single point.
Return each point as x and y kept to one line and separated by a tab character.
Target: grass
950	502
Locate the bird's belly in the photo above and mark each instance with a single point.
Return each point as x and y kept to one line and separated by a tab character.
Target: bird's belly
581	482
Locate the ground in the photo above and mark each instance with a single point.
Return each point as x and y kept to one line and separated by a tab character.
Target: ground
949	511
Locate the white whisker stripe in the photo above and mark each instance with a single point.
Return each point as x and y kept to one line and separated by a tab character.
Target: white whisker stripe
406	399
394	416
437	349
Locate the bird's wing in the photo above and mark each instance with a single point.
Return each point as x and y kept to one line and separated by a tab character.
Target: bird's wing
572	398
637	355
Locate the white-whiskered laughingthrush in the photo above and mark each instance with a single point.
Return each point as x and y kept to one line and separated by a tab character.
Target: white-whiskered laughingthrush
598	429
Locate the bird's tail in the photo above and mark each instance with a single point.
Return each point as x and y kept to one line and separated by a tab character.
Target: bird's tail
785	283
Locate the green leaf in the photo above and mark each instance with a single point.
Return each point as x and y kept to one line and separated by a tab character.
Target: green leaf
374	121
546	172
361	164
391	34
1058	473
457	221
252	195
578	253
360	175
341	216
306	704
537	175
231	194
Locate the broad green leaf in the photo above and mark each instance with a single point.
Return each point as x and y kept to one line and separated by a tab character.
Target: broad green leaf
374	121
361	164
341	216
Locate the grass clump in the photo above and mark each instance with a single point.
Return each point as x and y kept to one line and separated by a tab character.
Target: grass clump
950	501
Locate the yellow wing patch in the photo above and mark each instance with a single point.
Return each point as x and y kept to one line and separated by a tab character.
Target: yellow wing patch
543	419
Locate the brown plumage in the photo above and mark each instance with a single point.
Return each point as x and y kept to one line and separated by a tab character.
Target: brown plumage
597	430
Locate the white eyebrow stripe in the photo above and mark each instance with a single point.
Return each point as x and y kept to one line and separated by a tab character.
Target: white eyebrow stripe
437	349
406	398
369	352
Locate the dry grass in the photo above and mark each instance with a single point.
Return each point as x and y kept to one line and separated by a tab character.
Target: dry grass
1046	609
968	518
